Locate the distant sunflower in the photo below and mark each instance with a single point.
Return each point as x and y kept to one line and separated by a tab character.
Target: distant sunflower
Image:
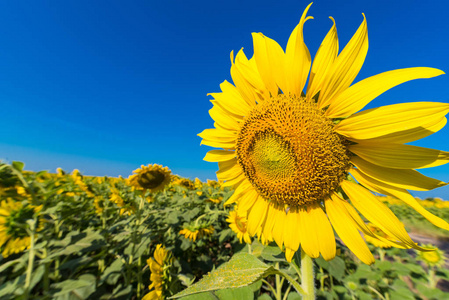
125	207
13	216
196	232
289	151
152	177
238	225
158	267
432	258
186	183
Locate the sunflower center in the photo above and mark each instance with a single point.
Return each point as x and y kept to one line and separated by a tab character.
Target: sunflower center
240	226
151	179
290	153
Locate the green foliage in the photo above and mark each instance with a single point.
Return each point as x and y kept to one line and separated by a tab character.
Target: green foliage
89	245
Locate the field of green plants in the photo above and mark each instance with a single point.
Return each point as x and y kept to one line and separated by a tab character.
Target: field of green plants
68	236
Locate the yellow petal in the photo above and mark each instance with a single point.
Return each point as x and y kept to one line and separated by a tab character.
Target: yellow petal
218	144
245	89
231	101
235	181
405	179
346	66
228	169
361	226
250	72
223	119
343	225
239	192
323	60
399	193
297	59
218	134
219	155
269	223
245	203
278	228
291	232
360	94
317	235
257	215
399	156
389	119
408	135
376	212
269	58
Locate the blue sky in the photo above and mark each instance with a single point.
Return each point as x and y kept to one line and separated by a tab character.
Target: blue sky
105	86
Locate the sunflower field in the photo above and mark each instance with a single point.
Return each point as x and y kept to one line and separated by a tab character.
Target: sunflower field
156	235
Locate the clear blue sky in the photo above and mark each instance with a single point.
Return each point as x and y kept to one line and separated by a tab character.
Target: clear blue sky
105	86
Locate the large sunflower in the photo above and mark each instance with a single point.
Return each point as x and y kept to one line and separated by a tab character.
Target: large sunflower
290	154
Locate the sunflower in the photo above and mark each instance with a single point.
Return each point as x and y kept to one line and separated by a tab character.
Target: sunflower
186	183
432	258
158	267
197	231
295	155
125	207
152	177
14	237
238	225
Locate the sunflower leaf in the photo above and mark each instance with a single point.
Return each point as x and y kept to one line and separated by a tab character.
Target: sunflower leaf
242	270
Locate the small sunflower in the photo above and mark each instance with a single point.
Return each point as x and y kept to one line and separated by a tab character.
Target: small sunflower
127	208
152	177
290	151
186	183
238	225
159	267
13	217
197	231
432	258
99	204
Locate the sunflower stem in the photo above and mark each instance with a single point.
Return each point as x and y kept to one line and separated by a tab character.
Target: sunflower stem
278	284
29	272
431	277
307	278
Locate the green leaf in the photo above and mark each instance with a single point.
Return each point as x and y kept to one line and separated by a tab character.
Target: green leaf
402	293
75	289
264	297
257	248
365	296
113	272
294	296
340	289
337	268
415	268
256	286
400	268
383	265
272	253
201	296
37	275
242	270
224	234
12	262
18	165
243	293
430	293
92	241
